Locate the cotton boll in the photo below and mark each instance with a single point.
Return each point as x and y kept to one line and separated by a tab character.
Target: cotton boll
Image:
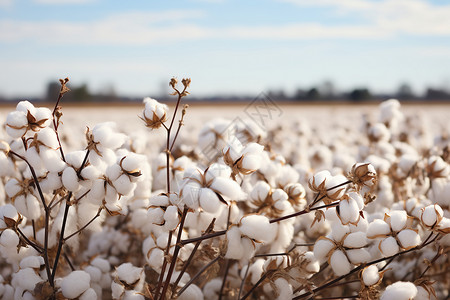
9	211
234	248
408	238
318	181
26	279
378	228
398	220
89	294
9	238
258	227
12	187
260	191
339	231
209	201
117	290
129	273
348	211
102	264
399	291
33	158
171	218
339	263
322	248
193	292
16	124
283	289
156	215
190	194
70	179
51	182
332	183
389	246
75	284
123	185
355	240
155	259
212	288
431	215
228	188
370	275
357	256
34	262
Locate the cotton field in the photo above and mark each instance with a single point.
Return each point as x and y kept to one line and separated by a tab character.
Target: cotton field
254	201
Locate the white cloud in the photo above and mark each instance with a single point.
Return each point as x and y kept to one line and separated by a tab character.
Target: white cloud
414	17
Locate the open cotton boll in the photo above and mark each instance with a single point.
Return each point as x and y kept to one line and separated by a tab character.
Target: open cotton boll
26	279
389	246
334	188
132	162
209	200
258	227
260	191
171	218
284	290
399	290
128	273
123	185
193	292
322	248
212	288
339	263
156	215
348	211
190	194
234	247
34	262
355	240
217	170
51	159
16	124
318	181
398	219
408	238
75	284
339	231
28	206
89	294
370	275
70	179
357	256
33	157
12	187
379	132
9	238
75	158
47	136
378	228
431	215
9	211
228	188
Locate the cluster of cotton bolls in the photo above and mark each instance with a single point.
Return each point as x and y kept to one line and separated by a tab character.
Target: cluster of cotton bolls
231	212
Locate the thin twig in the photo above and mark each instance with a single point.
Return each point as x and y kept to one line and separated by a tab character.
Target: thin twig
85	225
263	277
224	279
202	270
164	265
175	253
27	241
191	256
243	281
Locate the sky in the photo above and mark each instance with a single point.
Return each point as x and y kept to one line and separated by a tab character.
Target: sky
225	46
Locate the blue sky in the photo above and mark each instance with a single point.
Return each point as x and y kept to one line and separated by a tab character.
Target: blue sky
225	46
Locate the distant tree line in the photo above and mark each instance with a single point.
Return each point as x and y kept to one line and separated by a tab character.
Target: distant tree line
324	91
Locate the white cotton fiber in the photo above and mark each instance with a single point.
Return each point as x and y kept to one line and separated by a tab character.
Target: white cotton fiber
128	273
357	256
234	246
123	185
355	240
89	294
156	215
209	200
12	187
408	238
26	279
101	263
193	292
75	284
94	272
228	188
70	179
51	160
431	215
258	227
389	246
322	248
171	217
9	211
370	275
16	123
338	231
34	262
9	238
339	263
398	219
260	191
399	291
348	211
378	228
